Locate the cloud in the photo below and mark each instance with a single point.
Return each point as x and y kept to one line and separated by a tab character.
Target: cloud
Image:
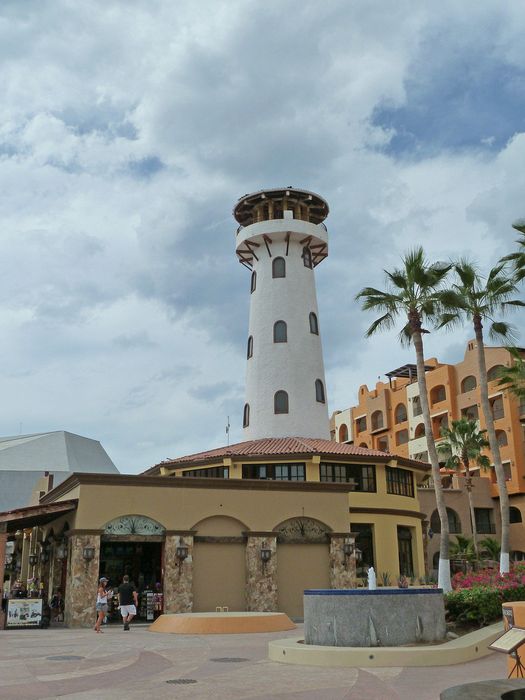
127	133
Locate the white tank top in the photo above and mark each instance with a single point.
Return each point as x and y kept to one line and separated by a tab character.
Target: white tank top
103	599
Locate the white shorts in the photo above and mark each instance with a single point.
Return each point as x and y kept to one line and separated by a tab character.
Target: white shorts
126	610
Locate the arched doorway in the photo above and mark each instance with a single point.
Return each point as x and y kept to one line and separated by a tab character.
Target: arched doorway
303	561
133	545
219	564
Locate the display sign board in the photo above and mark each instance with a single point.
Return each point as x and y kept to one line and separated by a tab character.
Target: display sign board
509	640
24	612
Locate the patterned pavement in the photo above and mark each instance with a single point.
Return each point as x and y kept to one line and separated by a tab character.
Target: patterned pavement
120	665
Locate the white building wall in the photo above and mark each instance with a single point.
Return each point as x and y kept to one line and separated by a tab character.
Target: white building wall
292	366
345	417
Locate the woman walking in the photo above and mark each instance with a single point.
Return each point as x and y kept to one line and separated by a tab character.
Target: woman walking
102	602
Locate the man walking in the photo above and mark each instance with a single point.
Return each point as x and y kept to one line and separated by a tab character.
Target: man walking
128	600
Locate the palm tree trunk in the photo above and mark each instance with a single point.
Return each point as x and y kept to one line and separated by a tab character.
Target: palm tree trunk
468	486
494	448
444	558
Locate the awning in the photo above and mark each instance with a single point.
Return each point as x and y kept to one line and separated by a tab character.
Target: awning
31	516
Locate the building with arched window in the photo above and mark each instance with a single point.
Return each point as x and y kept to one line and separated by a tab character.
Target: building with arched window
453	392
276	513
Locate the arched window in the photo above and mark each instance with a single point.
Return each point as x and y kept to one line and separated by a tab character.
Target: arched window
246	416
314	326
280	334
494	372
278	267
454	523
501	437
319	391
307	257
363	444
377	420
401	437
249	351
254	282
343	433
497	408
419	431
468	384
438	394
280	402
515	515
400	413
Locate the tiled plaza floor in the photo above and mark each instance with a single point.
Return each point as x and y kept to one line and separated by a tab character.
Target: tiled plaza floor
137	664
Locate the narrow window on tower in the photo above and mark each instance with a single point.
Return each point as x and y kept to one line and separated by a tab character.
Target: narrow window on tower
280	402
314	326
319	391
307	257
254	282
278	267
246	416
249	352
280	333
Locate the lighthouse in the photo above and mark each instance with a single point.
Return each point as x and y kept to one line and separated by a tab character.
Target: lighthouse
281	239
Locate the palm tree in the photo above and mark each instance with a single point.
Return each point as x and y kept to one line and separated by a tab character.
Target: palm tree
412	294
490	548
478	300
462	443
464	548
513	378
518	258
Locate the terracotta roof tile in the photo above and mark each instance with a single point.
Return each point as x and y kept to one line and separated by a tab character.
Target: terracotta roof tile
284	446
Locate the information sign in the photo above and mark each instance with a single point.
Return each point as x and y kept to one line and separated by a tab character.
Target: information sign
24	612
509	640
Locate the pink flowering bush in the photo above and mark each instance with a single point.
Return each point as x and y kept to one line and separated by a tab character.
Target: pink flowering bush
477	596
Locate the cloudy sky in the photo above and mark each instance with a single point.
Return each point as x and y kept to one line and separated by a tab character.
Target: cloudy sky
128	130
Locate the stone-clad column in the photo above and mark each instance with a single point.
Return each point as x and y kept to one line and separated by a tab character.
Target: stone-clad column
342	567
82	581
3	542
178	574
261	577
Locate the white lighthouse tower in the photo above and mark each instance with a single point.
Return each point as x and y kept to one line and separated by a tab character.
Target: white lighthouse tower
281	239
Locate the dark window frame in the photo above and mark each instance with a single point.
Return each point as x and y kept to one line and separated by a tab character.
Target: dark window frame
208	473
281	394
314	324
307	257
276	263
278	327
253	282
399	482
249	349
362	475
246	415
320	395
283	471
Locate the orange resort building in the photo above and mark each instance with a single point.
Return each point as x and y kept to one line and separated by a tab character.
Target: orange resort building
247	527
389	418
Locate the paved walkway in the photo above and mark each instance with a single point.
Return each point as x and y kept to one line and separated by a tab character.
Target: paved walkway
139	664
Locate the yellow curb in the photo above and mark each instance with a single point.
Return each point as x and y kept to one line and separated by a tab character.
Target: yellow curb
222	623
457	651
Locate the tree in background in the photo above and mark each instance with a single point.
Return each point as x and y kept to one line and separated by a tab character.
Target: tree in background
513	378
413	295
463	443
478	300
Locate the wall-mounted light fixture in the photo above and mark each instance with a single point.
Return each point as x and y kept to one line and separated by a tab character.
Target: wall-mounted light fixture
351	549
430	533
61	551
266	554
181	553
33	559
88	552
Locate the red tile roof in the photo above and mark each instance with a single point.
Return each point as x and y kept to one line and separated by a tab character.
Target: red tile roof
285	446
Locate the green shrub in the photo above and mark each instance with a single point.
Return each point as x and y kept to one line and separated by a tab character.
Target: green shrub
481	605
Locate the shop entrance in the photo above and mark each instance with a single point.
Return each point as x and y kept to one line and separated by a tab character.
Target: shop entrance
142	562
